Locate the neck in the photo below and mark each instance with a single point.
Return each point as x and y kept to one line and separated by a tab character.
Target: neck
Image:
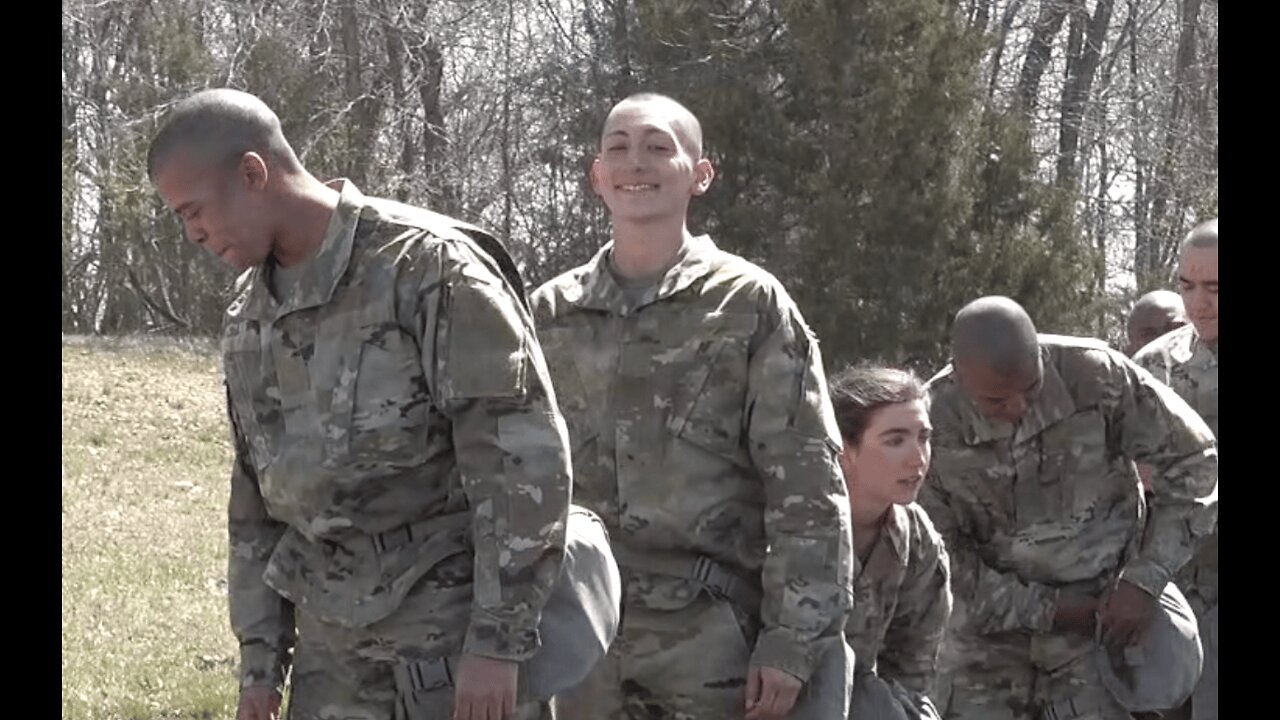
307	206
641	249
867	516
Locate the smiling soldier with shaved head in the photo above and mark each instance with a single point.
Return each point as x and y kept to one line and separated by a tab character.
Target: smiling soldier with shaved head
703	435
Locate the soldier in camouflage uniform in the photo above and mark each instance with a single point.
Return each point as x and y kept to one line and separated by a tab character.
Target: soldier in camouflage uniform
1155	314
902	580
400	482
1033	487
703	435
1187	360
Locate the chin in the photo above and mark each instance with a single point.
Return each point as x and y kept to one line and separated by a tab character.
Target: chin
907	497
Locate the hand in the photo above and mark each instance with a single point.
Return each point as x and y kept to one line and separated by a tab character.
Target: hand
1126	611
485	688
260	702
1075	614
770	693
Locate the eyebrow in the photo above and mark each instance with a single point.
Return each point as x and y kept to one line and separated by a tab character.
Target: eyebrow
904	431
183	207
644	131
1188	281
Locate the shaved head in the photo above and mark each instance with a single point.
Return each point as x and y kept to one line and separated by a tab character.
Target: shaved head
1204	235
996	333
996	357
1198	279
1155	314
688	129
218	127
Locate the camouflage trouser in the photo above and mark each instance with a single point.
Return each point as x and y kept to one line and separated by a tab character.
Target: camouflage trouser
874	698
686	664
1020	677
398	668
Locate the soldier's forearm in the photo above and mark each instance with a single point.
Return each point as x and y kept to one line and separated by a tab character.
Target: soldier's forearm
514	466
262	620
1168	545
806	588
263	664
1183	513
998	602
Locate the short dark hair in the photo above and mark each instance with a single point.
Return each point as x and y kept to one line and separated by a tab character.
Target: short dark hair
220	126
857	392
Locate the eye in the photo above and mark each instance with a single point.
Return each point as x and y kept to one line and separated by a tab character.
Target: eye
894	441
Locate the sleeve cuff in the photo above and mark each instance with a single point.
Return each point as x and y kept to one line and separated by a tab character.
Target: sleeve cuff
776	648
262	664
1147	575
502	641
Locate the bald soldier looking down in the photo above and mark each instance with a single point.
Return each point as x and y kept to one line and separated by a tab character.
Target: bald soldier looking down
400	482
1033	491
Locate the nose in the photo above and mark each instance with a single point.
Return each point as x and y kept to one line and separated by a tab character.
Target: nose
635	158
920	457
1015	406
193	234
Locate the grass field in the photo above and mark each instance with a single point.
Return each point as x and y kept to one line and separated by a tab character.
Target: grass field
144	465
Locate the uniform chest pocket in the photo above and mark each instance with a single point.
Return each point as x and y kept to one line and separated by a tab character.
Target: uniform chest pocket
708	375
249	404
979	486
1072	464
559	347
379	404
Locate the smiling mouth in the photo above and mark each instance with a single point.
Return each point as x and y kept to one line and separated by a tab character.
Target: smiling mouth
637	187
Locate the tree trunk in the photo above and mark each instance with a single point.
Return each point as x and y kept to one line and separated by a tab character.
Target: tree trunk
1039	50
1077	90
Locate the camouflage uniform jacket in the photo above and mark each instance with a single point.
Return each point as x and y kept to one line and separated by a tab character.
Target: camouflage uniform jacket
392	411
902	601
700	426
1054	503
1190	367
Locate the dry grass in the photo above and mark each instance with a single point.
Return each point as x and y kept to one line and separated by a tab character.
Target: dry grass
144	463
